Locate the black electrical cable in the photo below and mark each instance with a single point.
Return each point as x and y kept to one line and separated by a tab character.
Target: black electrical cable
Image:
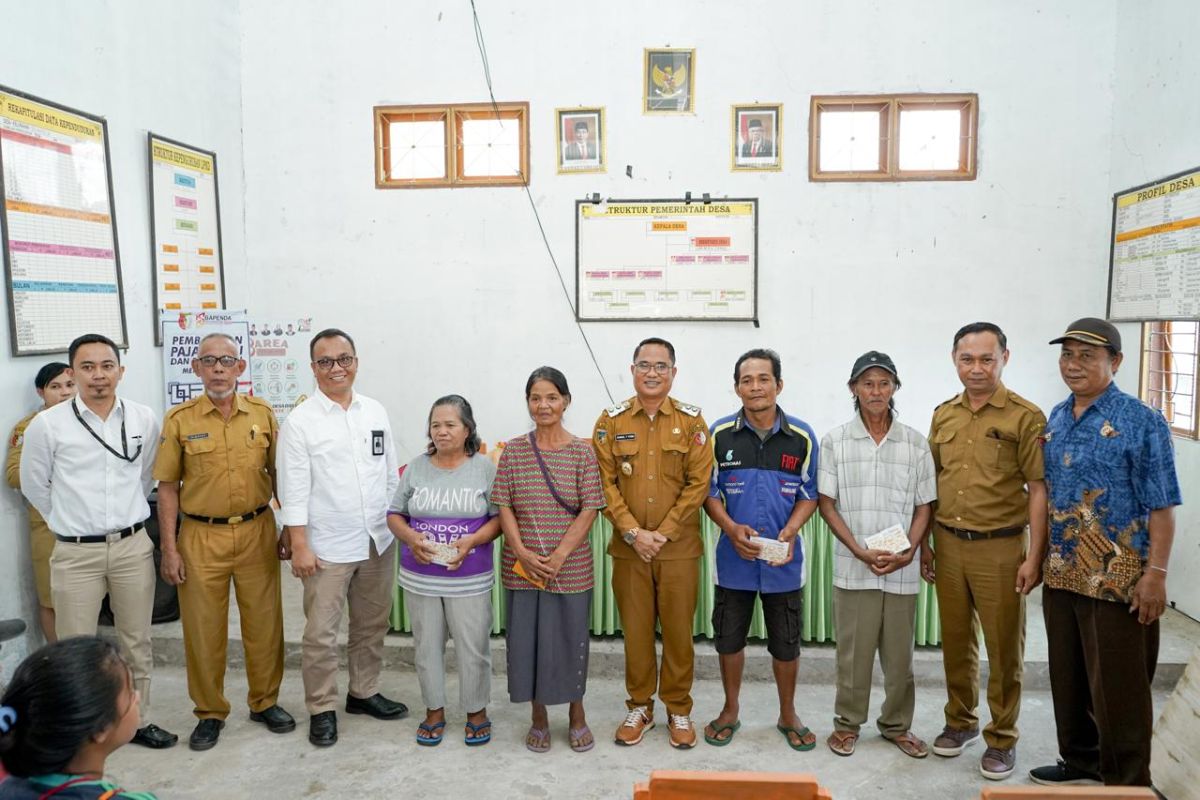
487	76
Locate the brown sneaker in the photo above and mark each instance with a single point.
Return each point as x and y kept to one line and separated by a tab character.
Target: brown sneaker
951	742
683	732
998	764
636	723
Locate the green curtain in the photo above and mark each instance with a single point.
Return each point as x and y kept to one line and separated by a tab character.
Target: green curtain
818	590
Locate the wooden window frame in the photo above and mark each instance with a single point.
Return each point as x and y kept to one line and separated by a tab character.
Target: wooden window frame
452	117
1162	362
890	106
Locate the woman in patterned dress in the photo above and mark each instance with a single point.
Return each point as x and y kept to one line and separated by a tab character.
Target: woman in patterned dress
548	491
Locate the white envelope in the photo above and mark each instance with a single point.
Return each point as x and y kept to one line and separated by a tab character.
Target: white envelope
891	540
771	549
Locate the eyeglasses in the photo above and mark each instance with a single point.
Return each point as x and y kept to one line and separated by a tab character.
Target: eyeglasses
326	364
224	361
644	367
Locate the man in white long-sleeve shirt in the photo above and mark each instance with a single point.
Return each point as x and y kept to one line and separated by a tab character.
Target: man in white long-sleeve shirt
336	469
86	466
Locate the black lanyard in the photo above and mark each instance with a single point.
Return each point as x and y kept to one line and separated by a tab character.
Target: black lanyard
124	454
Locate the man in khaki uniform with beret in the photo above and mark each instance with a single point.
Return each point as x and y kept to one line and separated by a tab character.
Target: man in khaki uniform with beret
216	464
655	464
986	445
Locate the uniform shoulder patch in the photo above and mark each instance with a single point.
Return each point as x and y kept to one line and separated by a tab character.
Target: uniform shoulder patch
173	410
1023	403
945	402
687	408
618	409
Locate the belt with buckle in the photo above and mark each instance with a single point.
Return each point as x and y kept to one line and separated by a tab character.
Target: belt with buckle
974	536
115	536
249	515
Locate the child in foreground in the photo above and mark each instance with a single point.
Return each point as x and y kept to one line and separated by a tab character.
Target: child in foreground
69	706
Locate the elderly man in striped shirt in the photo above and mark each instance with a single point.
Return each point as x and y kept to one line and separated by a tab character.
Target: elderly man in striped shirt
875	474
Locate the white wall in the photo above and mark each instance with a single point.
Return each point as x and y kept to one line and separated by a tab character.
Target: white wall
1156	127
143	66
452	290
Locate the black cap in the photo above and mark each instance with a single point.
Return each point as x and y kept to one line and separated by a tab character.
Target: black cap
1091	330
872	358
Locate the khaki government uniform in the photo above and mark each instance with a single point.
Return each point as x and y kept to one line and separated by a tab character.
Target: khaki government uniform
655	475
226	470
983	460
41	540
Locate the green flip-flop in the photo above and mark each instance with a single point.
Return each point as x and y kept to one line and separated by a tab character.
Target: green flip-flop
716	741
801	733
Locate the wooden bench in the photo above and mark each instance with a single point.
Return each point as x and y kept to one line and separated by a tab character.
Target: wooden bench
688	785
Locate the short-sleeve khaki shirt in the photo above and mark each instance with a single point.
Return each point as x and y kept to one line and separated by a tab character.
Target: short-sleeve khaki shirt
225	468
12	467
984	459
655	474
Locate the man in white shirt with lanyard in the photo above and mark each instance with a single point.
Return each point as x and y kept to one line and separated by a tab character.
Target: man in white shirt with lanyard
86	466
336	469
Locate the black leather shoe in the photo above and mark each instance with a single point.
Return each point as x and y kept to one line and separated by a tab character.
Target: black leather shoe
322	729
377	706
156	738
275	718
205	736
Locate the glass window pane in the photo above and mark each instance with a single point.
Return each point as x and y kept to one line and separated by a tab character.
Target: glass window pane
418	149
849	141
491	148
929	139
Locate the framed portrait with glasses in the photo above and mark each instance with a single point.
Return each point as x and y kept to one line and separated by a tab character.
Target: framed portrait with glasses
757	138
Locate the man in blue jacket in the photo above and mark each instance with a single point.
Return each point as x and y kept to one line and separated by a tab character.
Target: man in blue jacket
764	486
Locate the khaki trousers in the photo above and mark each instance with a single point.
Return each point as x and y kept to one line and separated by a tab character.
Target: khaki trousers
663	592
213	555
80	575
976	590
367	586
866	621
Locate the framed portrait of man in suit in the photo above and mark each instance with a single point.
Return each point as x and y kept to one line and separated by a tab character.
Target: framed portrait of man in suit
757	138
669	82
581	137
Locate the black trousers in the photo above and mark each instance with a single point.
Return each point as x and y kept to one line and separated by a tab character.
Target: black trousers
1101	664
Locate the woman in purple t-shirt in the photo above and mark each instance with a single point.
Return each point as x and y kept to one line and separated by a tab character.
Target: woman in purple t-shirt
443	519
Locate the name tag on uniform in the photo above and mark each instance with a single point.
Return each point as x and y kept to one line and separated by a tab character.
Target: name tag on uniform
376	443
193	436
626	437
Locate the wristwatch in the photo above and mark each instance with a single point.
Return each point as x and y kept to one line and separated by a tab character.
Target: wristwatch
630	536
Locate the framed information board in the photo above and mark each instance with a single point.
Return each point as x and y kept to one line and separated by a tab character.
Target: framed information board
666	260
185	228
61	261
1154	254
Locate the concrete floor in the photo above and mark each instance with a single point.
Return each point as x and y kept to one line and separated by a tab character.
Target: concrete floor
375	758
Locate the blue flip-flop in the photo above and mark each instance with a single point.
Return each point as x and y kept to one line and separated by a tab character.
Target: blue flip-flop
431	740
475	741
